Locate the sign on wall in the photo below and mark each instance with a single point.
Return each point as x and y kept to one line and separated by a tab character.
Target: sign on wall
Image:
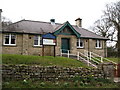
49	42
48	39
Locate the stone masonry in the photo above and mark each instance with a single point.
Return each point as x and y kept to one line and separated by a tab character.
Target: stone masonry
25	46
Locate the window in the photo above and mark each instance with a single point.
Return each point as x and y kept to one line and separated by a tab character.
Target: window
80	43
10	39
98	44
37	41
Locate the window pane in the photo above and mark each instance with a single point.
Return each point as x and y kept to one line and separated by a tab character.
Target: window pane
78	42
6	39
12	39
81	44
40	41
36	40
96	43
99	43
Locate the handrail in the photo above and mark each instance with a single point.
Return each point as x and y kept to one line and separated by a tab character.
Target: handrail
100	57
95	61
96	54
88	56
96	58
110	61
88	62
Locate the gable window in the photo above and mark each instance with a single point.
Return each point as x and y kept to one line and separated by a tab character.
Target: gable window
37	40
80	43
9	39
98	44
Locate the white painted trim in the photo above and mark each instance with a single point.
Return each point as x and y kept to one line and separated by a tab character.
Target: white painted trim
39	37
80	47
10	40
37	45
98	47
9	44
79	43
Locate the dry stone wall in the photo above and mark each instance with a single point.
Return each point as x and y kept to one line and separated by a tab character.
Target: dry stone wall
47	73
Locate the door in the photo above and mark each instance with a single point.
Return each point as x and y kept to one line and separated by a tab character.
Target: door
65	45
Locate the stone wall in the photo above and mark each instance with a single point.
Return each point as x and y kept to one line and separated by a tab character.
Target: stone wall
21	72
14	49
25	45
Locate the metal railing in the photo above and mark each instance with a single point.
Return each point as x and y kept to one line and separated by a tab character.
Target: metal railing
89	57
78	56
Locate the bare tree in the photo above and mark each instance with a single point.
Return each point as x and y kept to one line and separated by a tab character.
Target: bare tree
110	23
112	15
5	22
103	28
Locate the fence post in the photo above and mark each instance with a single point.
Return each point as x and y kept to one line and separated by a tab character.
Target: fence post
90	55
68	53
87	57
61	52
101	59
78	56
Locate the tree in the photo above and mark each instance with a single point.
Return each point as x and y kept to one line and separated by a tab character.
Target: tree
110	22
112	15
5	22
103	28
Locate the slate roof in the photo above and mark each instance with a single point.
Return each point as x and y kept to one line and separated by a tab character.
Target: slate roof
38	27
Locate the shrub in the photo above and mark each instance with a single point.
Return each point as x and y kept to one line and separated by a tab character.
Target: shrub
66	84
42	84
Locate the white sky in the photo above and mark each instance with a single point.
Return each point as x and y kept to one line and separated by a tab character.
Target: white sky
60	10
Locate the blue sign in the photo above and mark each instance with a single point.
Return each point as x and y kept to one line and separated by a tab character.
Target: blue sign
49	36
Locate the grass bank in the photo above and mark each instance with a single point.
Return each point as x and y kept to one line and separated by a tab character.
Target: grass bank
40	60
59	84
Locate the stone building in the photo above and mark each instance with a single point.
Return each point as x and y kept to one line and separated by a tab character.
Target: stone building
26	37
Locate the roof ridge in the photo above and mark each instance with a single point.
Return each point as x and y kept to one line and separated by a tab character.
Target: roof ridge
34	21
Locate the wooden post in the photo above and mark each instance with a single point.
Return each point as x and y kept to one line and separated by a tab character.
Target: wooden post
68	53
54	51
90	56
61	52
77	55
43	50
101	59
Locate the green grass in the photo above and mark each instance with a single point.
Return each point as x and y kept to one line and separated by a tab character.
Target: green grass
110	58
57	84
114	59
40	60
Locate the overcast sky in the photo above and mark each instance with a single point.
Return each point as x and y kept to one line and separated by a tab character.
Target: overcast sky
60	10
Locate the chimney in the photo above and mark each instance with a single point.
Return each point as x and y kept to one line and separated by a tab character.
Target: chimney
78	22
0	20
52	21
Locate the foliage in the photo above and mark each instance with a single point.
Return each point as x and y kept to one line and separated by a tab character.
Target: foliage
40	60
113	59
5	22
109	24
98	83
111	52
103	28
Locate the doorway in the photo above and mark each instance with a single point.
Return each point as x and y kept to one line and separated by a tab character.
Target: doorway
65	45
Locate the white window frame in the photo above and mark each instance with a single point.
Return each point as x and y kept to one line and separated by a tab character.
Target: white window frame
79	40
10	35
99	42
39	38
